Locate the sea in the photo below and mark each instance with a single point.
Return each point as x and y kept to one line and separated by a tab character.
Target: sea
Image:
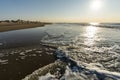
89	51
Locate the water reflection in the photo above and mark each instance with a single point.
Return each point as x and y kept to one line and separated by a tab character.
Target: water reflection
90	35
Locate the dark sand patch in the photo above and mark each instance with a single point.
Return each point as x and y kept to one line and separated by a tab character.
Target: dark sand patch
19	62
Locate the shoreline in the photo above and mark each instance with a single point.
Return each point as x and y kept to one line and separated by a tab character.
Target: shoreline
17	26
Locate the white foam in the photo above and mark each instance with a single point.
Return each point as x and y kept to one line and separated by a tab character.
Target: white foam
3	61
48	76
102	59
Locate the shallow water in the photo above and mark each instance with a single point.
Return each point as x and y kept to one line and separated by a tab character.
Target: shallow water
96	48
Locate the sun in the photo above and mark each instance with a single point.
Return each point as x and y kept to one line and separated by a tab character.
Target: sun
96	4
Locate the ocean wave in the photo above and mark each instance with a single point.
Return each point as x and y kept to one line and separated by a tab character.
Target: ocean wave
82	61
74	70
100	63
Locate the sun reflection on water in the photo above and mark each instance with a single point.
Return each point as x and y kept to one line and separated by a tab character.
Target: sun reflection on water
94	23
91	31
90	35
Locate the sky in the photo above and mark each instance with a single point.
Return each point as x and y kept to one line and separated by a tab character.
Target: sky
61	10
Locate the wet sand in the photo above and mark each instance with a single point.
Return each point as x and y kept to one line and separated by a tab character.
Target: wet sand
17	63
16	26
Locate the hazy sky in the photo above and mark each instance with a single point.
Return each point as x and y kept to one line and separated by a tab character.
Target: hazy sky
61	10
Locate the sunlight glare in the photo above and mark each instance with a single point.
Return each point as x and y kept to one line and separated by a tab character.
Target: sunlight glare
96	4
94	23
91	32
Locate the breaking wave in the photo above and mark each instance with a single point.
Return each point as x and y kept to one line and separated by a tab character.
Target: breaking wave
80	61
